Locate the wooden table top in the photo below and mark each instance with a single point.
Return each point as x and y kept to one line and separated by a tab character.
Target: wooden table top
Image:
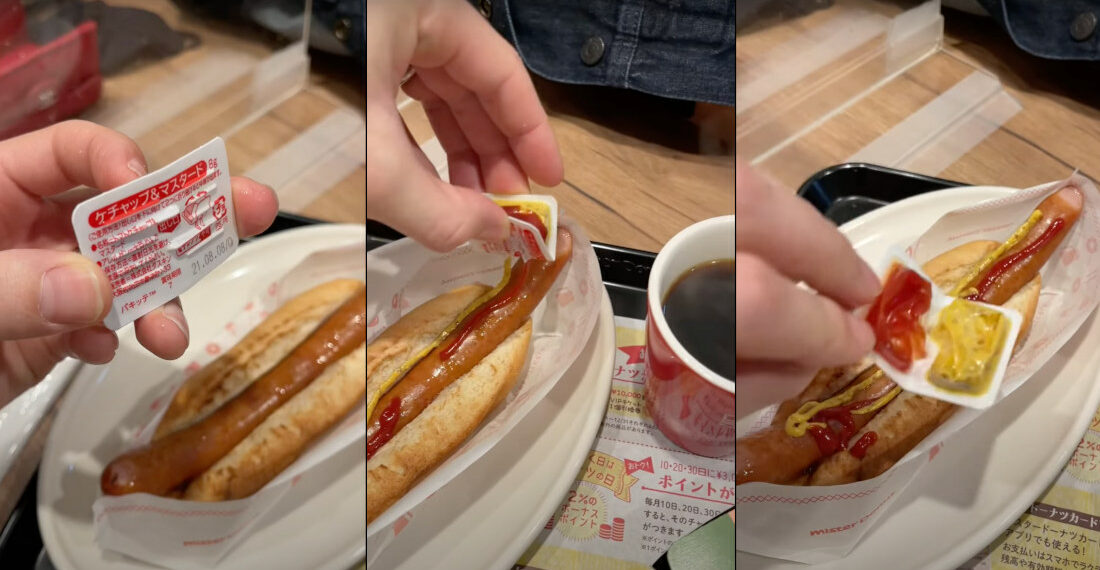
637	170
1056	130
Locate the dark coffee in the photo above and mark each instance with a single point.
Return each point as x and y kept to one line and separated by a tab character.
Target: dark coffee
699	310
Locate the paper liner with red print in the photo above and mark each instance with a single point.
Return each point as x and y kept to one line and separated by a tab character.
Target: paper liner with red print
818	524
402	275
180	534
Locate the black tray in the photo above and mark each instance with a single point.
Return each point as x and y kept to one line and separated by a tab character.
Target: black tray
847	191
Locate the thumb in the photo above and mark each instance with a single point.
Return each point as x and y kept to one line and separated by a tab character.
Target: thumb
45	292
442	216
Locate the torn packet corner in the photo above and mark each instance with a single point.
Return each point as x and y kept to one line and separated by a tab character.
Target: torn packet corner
533	226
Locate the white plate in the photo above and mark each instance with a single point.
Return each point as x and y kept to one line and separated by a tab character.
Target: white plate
992	470
487	517
321	526
21	417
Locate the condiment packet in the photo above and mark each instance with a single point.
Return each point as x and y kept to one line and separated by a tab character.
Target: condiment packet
157	236
534	226
918	377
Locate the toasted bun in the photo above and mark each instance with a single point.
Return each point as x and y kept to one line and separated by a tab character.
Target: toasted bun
286	433
447	422
414	331
951	266
262	348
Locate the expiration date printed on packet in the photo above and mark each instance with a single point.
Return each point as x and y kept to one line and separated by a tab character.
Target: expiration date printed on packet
157	236
533	219
961	350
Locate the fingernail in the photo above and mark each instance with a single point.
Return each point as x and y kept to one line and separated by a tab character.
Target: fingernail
175	314
137	167
70	295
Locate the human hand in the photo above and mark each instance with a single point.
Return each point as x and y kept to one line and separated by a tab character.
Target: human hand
784	332
55	299
481	105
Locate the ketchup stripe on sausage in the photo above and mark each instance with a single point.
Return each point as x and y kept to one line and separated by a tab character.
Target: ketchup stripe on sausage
477	336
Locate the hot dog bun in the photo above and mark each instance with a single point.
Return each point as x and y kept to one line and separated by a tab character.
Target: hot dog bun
256	353
454	414
413	332
283	436
290	380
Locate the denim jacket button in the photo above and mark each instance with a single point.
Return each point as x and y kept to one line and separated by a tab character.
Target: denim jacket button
592	51
1083	26
342	29
486	8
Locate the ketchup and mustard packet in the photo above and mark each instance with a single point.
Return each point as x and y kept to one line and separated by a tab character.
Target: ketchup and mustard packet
946	321
158	235
404	274
179	534
820	524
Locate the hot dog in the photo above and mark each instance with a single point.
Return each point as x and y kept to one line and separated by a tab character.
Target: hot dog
437	373
248	425
1005	274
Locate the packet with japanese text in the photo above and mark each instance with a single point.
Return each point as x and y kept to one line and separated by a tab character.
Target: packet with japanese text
157	236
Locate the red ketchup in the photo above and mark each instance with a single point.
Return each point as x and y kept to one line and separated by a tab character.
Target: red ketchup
895	317
859	450
830	440
1005	265
526	216
387	424
505	296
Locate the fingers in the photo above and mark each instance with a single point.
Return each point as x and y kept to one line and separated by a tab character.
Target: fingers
778	226
439	215
164	331
463	165
94	345
779	321
69	154
465	130
456	41
410	198
48	292
255	206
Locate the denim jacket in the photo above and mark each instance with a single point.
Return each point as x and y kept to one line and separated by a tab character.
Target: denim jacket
1050	29
671	48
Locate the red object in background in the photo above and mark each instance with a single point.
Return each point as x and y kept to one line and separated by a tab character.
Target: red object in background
43	84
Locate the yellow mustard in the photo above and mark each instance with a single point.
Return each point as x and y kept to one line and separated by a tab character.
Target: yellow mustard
965	285
799	422
971	338
408	364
